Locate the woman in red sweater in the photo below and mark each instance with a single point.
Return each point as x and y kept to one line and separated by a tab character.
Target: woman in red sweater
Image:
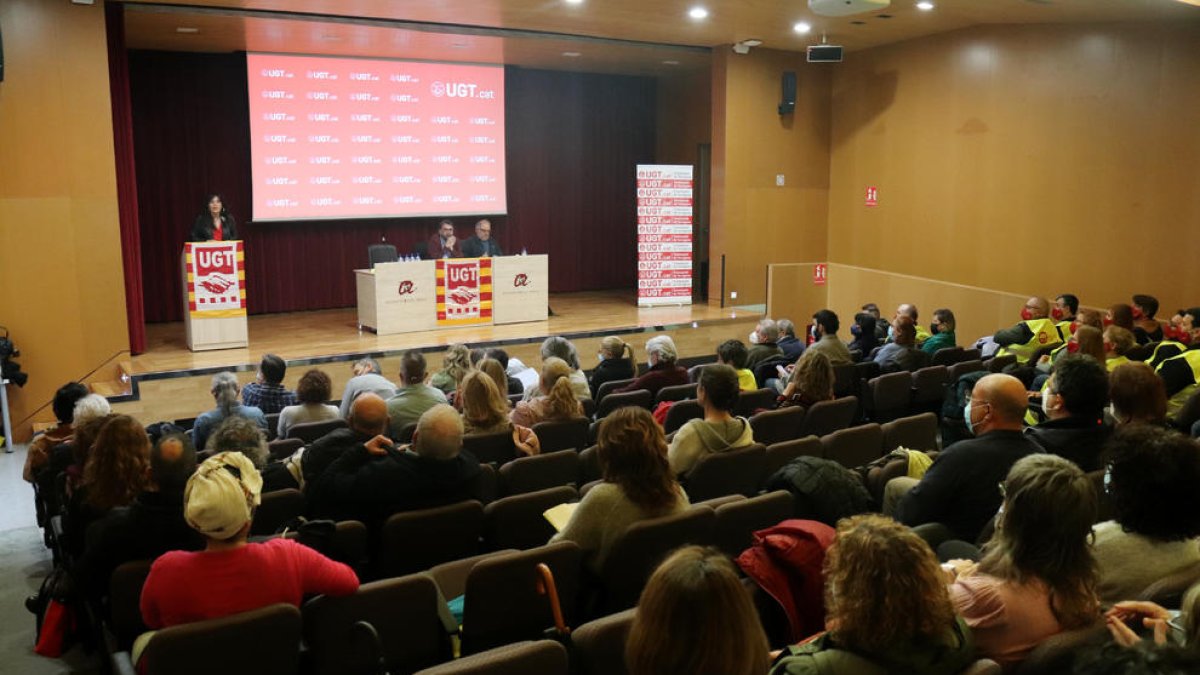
231	575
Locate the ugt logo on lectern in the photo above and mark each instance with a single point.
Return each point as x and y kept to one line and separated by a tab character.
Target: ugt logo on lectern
520	280
406	288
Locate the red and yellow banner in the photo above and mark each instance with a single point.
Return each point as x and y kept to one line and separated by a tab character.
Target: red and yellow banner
664	234
464	291
216	279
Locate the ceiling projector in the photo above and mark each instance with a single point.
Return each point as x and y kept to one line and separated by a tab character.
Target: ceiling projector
846	7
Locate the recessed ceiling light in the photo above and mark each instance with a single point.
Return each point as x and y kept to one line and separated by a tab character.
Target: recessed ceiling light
574	2
924	5
670	62
571	55
802	27
698	13
187	29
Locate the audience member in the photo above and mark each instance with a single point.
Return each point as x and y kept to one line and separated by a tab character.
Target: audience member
63	405
1162	624
1121	315
959	490
941	332
887	608
881	328
443	243
764	340
638	484
1037	576
660	356
901	353
1073	402
1145	327
695	616
456	362
1117	343
413	397
1184	327
114	473
1151	481
824	330
865	338
792	346
238	434
1138	395
514	384
1180	375
556	400
733	353
614	364
267	392
368	377
1087	340
492	368
718	430
368	419
811	382
561	348
910	311
370	482
232	575
312	392
1063	313
484	409
481	245
1034	332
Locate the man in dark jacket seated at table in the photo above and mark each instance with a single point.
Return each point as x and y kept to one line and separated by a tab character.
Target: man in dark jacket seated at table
372	481
481	245
1074	401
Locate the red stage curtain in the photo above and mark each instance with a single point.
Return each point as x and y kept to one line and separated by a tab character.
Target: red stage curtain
127	196
573	140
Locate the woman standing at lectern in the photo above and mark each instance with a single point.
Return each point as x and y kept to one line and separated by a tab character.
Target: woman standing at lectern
215	223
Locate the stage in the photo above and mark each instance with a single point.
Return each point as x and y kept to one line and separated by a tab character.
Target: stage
170	382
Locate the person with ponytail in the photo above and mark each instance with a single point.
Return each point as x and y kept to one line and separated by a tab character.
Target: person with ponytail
555	399
616	363
225	390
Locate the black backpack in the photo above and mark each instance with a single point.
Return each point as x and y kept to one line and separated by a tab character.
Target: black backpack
824	490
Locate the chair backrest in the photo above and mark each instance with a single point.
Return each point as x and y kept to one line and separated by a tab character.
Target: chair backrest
694	371
750	401
998	363
918	432
636	554
777	426
276	509
502	602
929	388
544	657
417	540
601	644
733	472
963	367
381	253
284	447
562	434
124	601
737	521
889	395
260	642
272	425
680	413
404	613
1104	510
972	354
641	398
589	407
678	392
780	455
311	431
866	370
983	667
947	356
529	474
855	446
1053	655
607	387
589	466
494	447
826	417
845	380
517	521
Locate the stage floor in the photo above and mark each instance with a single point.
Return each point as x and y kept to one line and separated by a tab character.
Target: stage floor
332	335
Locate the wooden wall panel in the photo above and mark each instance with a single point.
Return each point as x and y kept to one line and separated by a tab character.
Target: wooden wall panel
791	293
1026	159
61	285
684	118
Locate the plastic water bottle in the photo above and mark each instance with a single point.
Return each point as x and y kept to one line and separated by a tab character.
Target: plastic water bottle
522	250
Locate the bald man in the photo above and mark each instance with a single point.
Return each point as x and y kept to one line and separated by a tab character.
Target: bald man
909	310
368	418
1035	331
378	478
961	489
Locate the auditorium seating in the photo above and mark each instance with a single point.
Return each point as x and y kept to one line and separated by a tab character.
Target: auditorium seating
529	474
680	413
750	401
1052	656
739	471
417	540
311	431
677	392
888	396
641	398
739	519
282	448
600	644
918	432
776	426
606	388
562	434
277	508
963	367
645	544
544	657
516	522
854	446
780	454
495	447
826	417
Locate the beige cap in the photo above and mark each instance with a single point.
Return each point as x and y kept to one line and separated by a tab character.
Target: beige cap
221	496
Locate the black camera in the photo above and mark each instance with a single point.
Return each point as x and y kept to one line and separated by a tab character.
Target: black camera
10	370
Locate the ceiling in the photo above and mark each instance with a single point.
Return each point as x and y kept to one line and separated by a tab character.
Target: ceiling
627	36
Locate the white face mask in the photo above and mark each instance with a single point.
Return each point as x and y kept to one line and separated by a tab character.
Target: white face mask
599	356
1046	403
753	337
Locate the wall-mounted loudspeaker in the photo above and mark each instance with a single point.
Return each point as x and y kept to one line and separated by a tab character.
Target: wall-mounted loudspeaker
787	103
824	54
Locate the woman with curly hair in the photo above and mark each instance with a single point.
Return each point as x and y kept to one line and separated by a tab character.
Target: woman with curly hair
556	399
1037	577
887	608
312	392
638	485
484	408
811	382
455	365
115	471
696	593
1152	481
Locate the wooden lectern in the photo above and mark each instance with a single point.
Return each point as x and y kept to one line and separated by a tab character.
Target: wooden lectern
214	295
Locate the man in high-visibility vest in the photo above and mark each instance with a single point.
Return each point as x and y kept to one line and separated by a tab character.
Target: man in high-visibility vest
1063	313
1035	331
1181	374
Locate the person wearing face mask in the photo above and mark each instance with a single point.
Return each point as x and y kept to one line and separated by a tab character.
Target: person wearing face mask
1063	313
824	328
792	347
1035	331
1117	343
1146	328
881	327
1073	402
901	353
1121	315
1181	373
764	339
941	331
664	371
911	312
865	336
616	363
959	491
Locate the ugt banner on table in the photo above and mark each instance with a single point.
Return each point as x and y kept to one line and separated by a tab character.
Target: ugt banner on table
216	279
664	234
464	291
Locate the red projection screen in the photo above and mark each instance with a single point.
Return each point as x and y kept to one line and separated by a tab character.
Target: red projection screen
363	138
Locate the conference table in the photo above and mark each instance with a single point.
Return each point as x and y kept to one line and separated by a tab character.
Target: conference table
419	295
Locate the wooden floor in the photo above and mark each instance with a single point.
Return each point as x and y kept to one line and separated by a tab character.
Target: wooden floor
172	382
